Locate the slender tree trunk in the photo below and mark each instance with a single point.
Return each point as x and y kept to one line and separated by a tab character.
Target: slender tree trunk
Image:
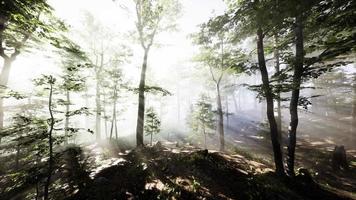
113	121
112	127
205	146
37	190
235	103
269	99
220	119
50	143
66	123
98	111
116	133
86	99
98	99
293	108
141	102
151	139
105	117
227	112
353	123
4	79
277	66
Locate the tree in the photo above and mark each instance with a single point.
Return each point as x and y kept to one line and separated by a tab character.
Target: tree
311	27
115	85
73	81
49	81
219	54
153	17
21	22
202	120
52	87
152	123
253	18
99	40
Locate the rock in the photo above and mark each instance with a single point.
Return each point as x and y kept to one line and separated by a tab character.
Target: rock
204	152
339	159
305	179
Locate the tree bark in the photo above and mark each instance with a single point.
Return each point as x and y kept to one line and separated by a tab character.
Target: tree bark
204	136
293	108
277	67
4	79
98	112
151	138
269	99
353	123
105	117
227	112
66	123
220	119
141	102
113	121
235	103
86	99
98	99
50	143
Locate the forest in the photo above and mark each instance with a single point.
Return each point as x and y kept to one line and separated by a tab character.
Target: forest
177	99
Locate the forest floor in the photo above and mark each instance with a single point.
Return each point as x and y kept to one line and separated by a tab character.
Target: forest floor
314	150
169	171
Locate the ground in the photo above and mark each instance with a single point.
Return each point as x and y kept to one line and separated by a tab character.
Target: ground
165	171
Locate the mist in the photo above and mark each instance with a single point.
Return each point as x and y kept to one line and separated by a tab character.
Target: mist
97	93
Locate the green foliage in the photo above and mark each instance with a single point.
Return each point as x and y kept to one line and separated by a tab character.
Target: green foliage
43	83
154	16
8	93
202	118
152	122
218	51
22	21
155	90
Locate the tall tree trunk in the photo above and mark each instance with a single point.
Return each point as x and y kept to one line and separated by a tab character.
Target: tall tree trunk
269	99
204	136
353	123
50	143
4	79
113	121
114	112
227	112
98	98
86	99
66	123
105	117
293	108
235	102
151	139
141	102
98	111
116	133
277	66
220	119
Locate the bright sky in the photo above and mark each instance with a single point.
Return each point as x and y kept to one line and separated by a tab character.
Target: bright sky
165	62
176	48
